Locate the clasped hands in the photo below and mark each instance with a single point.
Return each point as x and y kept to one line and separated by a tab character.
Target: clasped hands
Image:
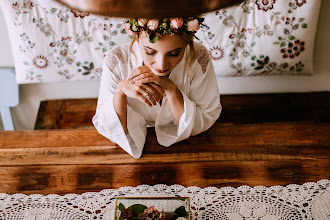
144	85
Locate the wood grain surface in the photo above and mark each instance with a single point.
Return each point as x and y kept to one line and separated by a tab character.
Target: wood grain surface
80	160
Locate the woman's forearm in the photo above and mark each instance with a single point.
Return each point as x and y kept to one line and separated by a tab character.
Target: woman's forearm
175	99
120	105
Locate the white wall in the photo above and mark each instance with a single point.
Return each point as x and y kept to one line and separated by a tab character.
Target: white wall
31	94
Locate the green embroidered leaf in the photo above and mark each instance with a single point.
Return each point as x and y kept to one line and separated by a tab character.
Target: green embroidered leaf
75	51
292	38
112	43
53	10
304	25
267	60
86	62
292	68
286	31
78	63
259	68
253	64
262	56
283	44
260	62
253	43
86	73
91	65
26	63
86	68
104	49
121	207
253	57
79	70
295	27
280	38
181	211
101	44
301	19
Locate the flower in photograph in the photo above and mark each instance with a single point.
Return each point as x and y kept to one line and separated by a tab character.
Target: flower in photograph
265	5
80	14
176	22
217	53
193	25
15	5
153	24
40	62
300	3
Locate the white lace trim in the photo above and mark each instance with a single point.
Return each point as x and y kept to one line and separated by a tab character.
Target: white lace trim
308	201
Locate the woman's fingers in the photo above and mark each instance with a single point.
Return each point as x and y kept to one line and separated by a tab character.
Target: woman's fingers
138	71
152	92
158	88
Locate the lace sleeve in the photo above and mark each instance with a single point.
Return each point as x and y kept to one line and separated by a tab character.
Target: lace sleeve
202	56
116	56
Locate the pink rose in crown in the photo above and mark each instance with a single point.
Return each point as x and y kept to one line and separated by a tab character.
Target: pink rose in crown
153	24
128	29
176	22
142	21
193	25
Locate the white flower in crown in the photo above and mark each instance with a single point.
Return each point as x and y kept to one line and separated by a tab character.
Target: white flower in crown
153	24
193	25
128	29
142	21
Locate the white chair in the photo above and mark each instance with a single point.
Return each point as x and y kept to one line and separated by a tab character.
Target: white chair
8	96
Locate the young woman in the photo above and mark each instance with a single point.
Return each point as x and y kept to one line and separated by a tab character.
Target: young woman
162	79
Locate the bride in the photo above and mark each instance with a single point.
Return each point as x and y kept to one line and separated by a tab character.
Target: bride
162	79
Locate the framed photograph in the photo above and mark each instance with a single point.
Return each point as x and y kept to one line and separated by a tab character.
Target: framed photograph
152	208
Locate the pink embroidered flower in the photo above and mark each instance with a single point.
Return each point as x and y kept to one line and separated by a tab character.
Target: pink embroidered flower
265	4
15	5
78	14
29	5
153	24
300	3
217	53
176	22
193	25
142	21
128	29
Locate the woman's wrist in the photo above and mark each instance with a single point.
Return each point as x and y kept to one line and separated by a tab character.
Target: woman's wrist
120	88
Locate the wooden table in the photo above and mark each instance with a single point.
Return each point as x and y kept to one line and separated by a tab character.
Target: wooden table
80	160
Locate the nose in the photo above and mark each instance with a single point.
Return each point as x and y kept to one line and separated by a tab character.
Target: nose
161	62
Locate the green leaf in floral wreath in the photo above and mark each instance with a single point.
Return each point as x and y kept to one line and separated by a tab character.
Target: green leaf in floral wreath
283	44
292	38
181	211
137	209
121	207
53	10
153	38
304	25
286	31
295	27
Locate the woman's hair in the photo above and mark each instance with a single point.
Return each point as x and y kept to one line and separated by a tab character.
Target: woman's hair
188	38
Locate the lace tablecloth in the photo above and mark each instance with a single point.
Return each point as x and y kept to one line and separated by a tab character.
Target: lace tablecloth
308	201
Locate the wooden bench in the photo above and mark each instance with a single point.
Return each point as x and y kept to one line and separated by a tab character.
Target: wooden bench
246	152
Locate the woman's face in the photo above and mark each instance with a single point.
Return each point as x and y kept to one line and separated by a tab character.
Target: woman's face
163	55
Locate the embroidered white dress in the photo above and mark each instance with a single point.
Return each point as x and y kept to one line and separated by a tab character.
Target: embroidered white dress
198	86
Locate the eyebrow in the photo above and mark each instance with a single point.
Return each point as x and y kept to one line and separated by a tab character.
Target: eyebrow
168	51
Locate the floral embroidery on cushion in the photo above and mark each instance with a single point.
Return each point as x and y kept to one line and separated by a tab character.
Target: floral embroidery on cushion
294	49
40	62
80	14
265	4
300	3
217	53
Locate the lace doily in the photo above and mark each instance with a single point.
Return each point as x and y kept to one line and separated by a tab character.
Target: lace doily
308	201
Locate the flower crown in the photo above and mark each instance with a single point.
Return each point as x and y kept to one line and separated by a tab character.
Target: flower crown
157	27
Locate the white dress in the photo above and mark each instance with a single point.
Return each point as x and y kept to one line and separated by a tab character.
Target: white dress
198	86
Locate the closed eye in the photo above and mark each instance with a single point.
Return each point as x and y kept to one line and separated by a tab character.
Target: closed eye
175	53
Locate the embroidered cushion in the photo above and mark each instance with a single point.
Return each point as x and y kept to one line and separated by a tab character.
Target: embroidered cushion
51	42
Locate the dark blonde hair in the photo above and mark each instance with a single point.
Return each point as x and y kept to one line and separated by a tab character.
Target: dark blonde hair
188	38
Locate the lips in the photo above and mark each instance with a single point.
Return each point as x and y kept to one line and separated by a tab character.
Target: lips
161	71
